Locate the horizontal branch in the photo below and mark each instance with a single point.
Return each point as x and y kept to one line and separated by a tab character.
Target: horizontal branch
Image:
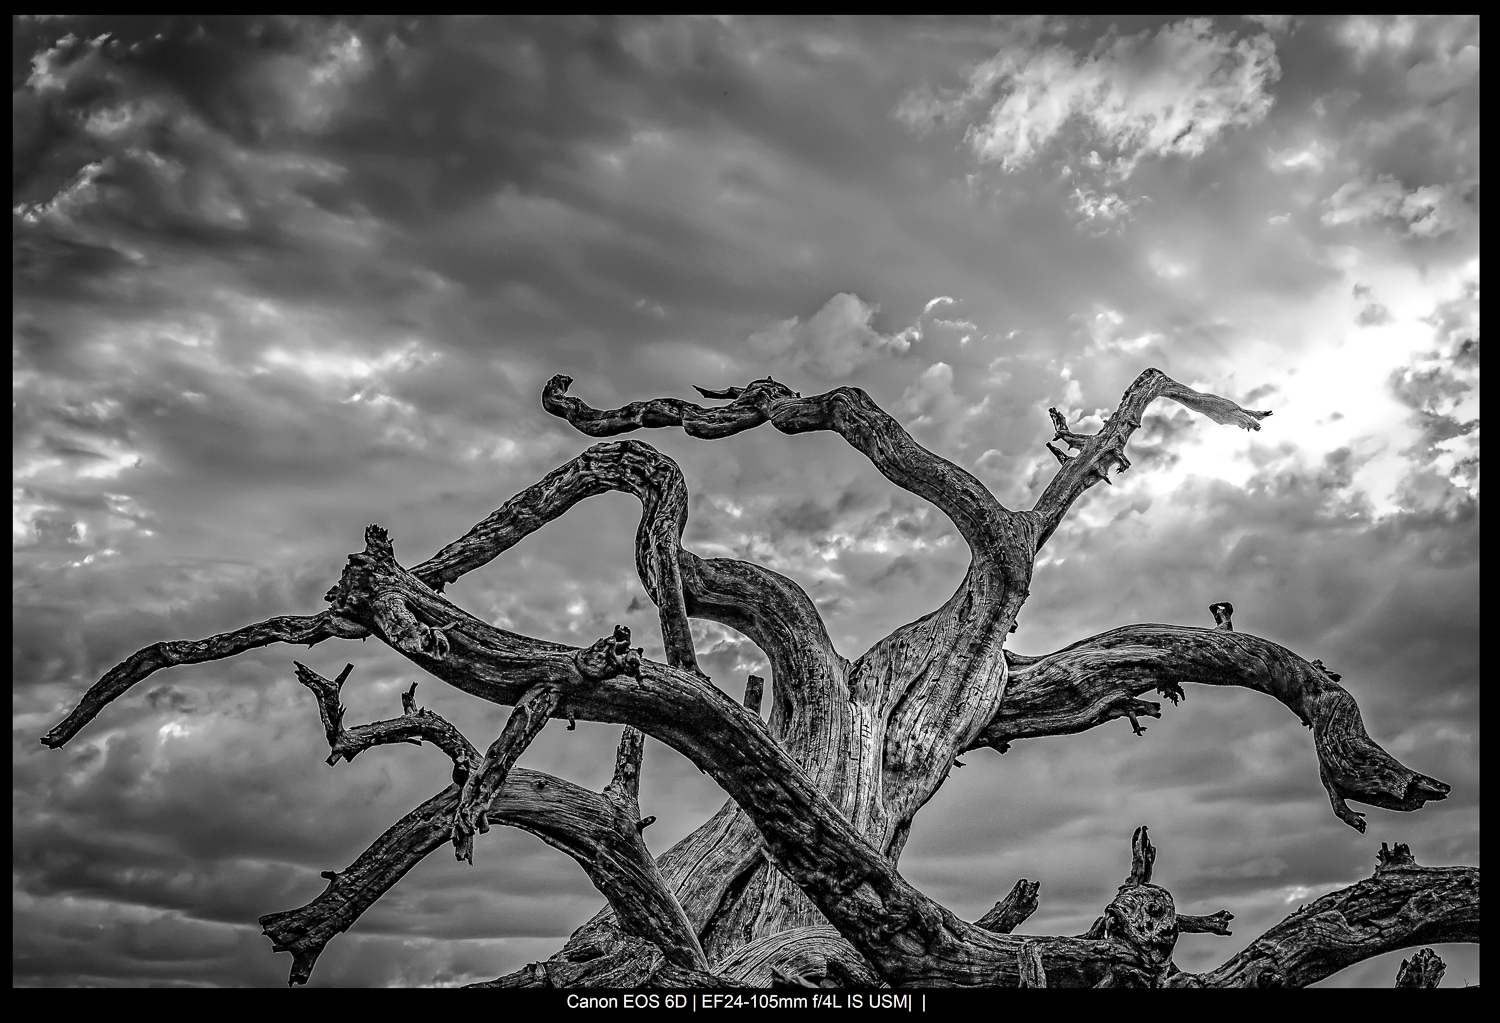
1105	450
985	524
1397	908
1099	678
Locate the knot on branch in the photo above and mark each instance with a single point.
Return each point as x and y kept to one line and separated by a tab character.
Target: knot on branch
1324	669
610	657
1060	431
1394	858
1425	969
1223	612
644	823
1144	917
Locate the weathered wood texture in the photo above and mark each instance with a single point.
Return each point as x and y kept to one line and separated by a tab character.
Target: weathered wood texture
795	880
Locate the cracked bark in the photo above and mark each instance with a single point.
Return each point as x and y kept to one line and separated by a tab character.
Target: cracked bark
795	880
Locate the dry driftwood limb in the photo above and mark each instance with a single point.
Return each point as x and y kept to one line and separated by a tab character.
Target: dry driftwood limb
1104	450
1397	908
794	881
598	830
413	726
531	713
1087	683
1010	912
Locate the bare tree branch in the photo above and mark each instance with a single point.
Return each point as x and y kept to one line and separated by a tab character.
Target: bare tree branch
590	827
414	725
309	629
1105	450
1098	678
1010	912
769	608
600	831
526	720
847	411
1214	923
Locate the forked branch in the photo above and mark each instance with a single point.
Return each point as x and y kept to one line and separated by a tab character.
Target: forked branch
1105	450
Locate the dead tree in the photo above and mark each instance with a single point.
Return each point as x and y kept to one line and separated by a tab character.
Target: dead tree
795	880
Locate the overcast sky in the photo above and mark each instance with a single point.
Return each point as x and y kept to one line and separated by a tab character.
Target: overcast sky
277	279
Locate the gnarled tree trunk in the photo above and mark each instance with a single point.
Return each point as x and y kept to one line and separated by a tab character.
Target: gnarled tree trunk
795	879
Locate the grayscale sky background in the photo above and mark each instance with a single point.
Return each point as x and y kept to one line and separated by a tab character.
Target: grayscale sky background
277	279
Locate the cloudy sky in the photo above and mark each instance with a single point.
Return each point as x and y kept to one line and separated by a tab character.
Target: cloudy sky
276	279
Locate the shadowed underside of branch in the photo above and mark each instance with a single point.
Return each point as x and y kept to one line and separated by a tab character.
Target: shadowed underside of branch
825	793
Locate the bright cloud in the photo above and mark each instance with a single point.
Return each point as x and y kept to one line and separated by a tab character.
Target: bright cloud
1172	91
834	341
1427	211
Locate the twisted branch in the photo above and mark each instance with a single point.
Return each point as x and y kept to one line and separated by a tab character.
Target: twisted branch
1097	679
848	411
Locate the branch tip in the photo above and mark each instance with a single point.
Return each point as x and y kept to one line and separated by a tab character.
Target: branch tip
1223	612
1142	857
1425	969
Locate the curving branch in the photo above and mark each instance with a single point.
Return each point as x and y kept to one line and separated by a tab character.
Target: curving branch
1105	450
308	629
850	412
1099	678
771	609
768	607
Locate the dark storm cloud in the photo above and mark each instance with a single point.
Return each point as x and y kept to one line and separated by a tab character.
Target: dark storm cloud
277	278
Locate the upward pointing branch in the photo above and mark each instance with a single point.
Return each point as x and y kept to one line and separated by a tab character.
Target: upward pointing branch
1106	449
